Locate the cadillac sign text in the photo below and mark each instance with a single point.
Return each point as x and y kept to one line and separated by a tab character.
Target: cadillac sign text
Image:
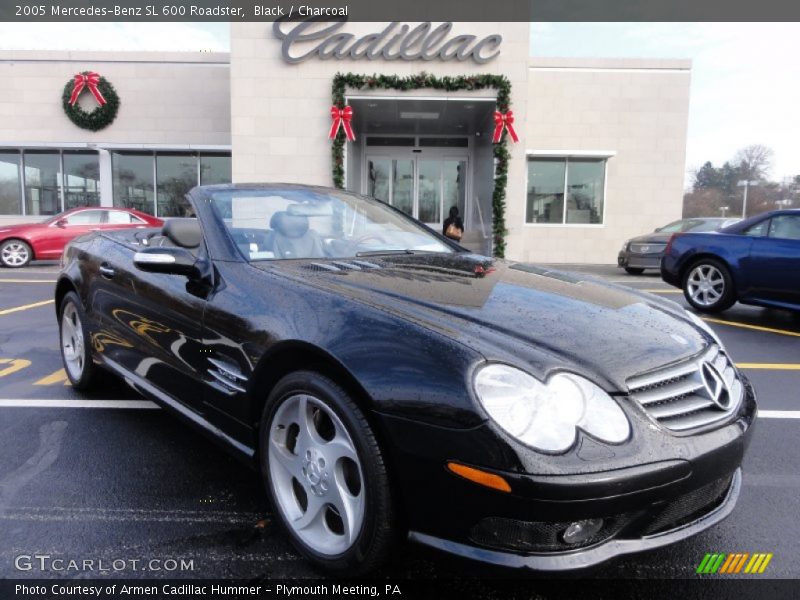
306	39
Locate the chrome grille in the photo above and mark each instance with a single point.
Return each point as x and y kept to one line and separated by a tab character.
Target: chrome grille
698	392
655	248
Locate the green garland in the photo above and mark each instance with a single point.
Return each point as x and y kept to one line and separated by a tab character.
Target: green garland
342	81
100	117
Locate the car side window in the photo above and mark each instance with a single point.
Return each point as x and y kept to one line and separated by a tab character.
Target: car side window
785	227
760	229
673	227
85	217
119	217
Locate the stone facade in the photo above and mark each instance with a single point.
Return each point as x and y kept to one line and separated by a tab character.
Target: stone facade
274	117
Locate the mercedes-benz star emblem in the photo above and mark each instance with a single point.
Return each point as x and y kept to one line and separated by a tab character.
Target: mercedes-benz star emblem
715	386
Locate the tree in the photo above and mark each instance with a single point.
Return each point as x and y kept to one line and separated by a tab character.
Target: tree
715	187
707	177
754	161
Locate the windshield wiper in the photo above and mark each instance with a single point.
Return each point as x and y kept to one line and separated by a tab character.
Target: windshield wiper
383	252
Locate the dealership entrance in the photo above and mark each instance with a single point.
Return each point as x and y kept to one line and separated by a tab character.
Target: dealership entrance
424	156
424	186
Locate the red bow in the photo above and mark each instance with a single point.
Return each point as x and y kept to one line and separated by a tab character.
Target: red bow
341	118
502	121
89	80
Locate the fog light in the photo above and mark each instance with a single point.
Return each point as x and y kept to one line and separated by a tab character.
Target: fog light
580	531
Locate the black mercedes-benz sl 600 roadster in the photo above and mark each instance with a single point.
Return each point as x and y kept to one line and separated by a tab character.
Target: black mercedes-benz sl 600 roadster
387	383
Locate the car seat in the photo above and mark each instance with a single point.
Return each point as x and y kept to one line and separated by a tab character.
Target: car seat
293	238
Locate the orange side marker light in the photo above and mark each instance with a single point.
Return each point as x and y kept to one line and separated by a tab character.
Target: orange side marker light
483	478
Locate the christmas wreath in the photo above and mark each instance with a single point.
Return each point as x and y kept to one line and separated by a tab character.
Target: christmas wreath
104	94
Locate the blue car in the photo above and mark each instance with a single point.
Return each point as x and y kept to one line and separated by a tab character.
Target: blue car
756	261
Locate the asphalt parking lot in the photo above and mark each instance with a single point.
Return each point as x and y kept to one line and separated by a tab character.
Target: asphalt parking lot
112	477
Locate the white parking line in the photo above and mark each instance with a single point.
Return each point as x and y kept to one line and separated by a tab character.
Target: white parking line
779	414
34	403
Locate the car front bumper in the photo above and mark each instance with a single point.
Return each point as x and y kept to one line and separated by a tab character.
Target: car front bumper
591	555
632	260
686	484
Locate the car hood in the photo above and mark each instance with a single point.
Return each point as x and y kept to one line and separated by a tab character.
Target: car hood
651	238
20	229
543	320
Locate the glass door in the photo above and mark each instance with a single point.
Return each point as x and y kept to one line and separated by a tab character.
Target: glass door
422	186
454	186
429	191
392	180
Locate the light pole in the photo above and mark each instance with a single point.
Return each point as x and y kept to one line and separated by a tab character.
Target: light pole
724	210
745	183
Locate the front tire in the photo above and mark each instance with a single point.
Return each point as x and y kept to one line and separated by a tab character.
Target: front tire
708	286
15	253
325	474
76	353
633	271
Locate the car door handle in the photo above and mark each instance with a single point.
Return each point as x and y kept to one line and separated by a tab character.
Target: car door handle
106	271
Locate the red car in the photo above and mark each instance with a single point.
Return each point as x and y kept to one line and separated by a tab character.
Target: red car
20	244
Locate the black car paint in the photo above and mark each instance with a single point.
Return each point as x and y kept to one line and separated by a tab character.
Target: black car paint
405	336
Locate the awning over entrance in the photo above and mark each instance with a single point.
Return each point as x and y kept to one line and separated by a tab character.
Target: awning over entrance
462	116
426	156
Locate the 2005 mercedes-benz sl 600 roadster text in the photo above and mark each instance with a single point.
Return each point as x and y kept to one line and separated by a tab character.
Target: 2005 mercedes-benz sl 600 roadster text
387	383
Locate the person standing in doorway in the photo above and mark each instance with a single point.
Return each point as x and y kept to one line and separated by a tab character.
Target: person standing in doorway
453	226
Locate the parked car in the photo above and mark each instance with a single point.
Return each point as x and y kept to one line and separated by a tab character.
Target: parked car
20	244
387	383
645	251
756	261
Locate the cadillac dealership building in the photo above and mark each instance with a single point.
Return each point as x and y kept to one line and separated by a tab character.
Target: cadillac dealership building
599	158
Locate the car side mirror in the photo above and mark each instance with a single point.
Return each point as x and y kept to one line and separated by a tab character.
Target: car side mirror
175	261
657	229
61	223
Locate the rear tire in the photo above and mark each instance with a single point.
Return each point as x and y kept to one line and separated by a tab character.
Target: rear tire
75	338
634	271
15	254
320	461
708	286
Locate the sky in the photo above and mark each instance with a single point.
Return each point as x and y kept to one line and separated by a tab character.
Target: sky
745	88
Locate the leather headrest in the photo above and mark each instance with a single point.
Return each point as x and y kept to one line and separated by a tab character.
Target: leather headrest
185	232
291	226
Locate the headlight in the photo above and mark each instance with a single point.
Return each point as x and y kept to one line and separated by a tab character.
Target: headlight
546	416
705	327
624	246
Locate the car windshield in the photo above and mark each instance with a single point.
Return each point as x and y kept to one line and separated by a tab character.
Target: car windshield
685	225
278	223
704	225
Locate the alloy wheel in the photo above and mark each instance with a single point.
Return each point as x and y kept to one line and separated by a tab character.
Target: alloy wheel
72	342
316	475
15	254
705	284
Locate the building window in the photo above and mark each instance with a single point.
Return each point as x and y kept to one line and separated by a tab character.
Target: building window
10	188
176	174
156	182
52	181
132	176
42	189
215	168
81	179
566	190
